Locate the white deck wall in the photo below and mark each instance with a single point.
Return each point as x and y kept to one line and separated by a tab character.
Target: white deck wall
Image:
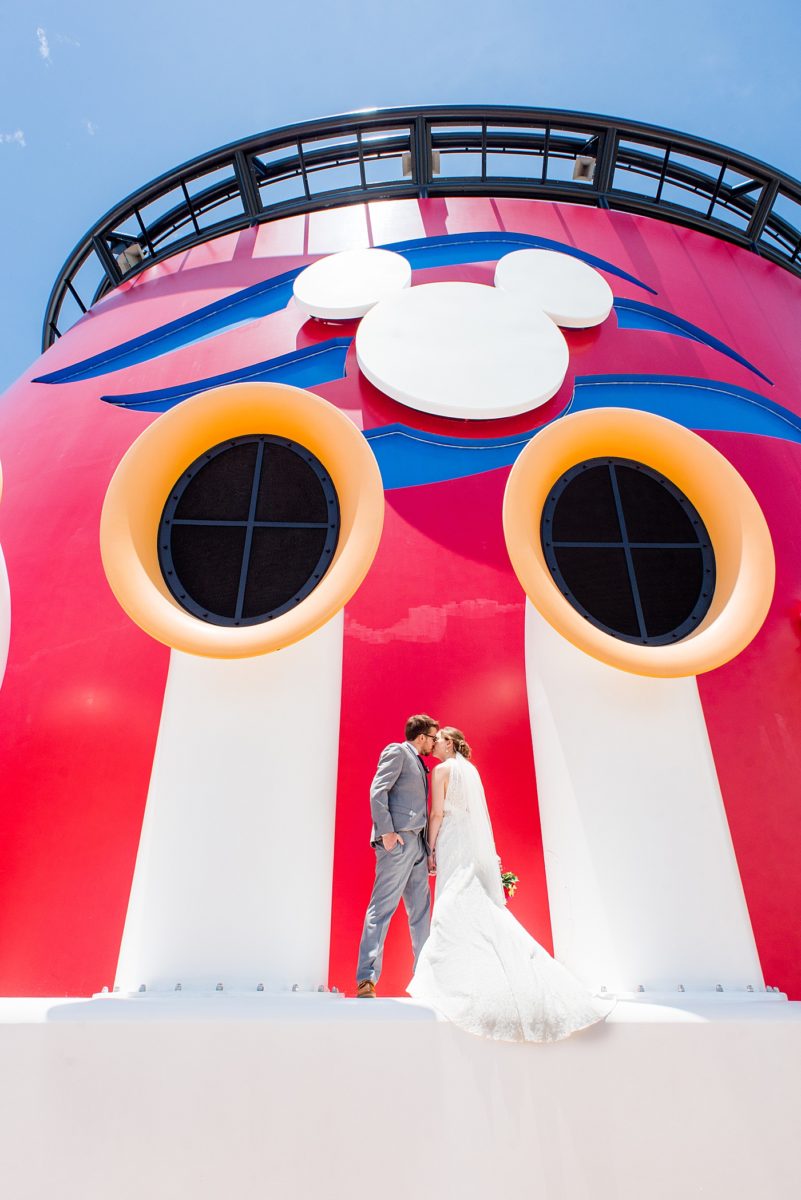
318	1096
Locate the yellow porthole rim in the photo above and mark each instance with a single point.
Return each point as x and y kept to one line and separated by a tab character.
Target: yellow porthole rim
143	480
745	563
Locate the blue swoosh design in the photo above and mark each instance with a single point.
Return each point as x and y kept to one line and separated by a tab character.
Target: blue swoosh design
260	300
313	365
633	314
457	249
271	295
700	404
409	458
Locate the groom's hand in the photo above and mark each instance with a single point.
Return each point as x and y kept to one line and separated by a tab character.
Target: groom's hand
390	840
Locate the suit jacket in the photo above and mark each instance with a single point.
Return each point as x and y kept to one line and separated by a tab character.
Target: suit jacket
399	791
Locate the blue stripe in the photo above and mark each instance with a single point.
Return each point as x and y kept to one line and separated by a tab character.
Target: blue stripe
409	458
263	298
456	249
696	403
302	368
633	314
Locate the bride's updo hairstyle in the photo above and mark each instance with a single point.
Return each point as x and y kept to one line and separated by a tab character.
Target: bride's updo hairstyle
457	737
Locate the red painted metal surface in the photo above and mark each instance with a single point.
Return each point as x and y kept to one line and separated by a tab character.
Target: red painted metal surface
441	618
438	624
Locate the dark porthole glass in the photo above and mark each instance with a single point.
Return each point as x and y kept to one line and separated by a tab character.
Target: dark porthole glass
248	531
628	550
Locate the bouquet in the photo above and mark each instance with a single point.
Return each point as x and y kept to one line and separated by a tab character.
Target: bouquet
509	882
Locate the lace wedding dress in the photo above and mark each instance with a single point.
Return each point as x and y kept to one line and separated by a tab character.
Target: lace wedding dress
480	967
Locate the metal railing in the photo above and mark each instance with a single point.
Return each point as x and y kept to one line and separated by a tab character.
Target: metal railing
438	151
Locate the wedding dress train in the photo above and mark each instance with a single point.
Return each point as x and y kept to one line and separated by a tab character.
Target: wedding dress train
479	966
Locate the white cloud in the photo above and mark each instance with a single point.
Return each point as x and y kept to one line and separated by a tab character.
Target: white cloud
90	127
44	45
17	136
66	39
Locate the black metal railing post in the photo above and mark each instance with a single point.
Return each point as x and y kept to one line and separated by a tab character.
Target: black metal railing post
247	185
605	165
762	211
107	260
421	155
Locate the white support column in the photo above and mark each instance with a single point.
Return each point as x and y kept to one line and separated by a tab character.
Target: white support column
642	880
233	876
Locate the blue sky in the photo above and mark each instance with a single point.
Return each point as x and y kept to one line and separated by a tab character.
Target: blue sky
96	100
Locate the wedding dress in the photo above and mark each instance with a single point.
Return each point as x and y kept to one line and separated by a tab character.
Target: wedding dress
479	966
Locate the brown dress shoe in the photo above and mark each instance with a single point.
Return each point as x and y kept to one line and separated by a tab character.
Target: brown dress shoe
365	989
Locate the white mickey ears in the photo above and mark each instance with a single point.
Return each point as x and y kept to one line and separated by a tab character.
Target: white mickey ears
343	286
570	291
460	350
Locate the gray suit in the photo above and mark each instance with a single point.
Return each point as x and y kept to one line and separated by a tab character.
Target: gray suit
398	803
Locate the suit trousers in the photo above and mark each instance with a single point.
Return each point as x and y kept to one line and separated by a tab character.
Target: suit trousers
400	872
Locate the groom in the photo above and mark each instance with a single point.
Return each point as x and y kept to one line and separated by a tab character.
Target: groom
398	803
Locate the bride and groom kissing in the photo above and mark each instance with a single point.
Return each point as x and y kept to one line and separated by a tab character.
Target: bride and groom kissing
473	961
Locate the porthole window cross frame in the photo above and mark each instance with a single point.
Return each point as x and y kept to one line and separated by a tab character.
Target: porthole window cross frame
170	521
702	544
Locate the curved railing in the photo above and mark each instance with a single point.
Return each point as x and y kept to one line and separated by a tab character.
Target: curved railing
442	151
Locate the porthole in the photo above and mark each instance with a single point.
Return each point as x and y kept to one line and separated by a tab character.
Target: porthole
628	550
685	538
249	530
242	520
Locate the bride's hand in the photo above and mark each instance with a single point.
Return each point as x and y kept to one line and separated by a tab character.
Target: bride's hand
432	864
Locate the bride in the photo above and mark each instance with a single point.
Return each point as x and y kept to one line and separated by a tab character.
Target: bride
480	967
